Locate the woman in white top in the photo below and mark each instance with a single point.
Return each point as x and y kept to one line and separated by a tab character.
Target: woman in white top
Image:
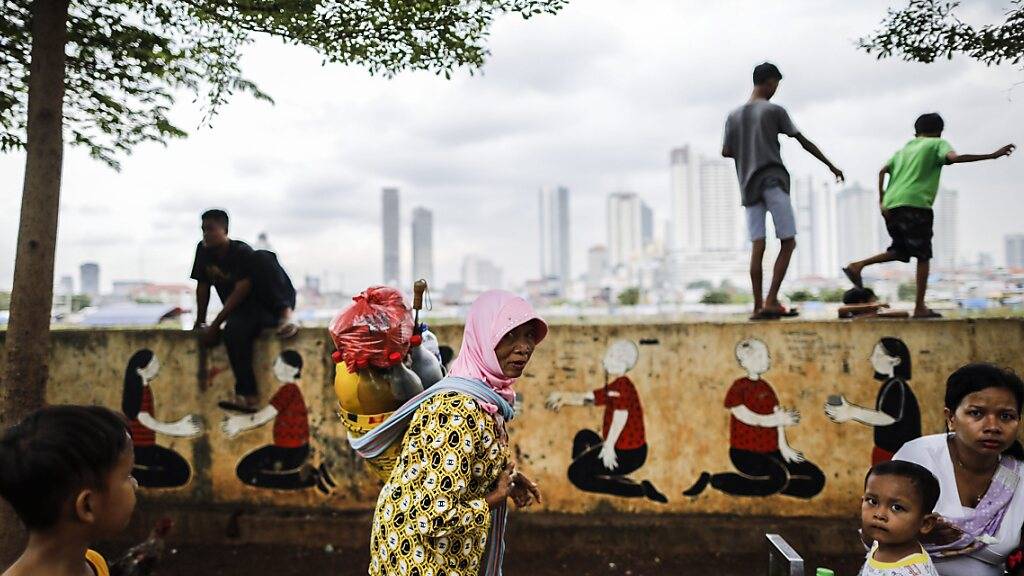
978	464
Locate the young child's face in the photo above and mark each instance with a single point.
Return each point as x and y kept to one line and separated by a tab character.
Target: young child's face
891	512
115	504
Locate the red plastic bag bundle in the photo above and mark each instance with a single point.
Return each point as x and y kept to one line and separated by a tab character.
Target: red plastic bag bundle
374	331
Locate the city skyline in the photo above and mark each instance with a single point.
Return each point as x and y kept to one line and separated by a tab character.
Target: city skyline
475	149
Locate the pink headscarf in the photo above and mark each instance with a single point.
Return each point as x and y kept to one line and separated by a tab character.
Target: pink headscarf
492	315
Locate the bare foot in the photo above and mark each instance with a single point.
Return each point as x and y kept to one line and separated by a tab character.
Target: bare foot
853	273
285	327
287	330
926	314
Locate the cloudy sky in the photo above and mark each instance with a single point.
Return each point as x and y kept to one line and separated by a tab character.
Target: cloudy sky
593	98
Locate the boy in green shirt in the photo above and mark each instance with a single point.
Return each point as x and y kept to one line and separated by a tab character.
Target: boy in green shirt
907	201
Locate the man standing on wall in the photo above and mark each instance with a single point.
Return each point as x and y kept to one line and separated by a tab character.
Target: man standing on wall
752	140
256	293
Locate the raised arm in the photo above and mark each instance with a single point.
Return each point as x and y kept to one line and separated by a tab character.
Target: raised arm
235	425
778	419
847	411
556	400
954	158
188	427
813	149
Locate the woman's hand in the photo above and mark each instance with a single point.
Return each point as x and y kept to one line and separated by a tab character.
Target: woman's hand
502	489
942	533
524	491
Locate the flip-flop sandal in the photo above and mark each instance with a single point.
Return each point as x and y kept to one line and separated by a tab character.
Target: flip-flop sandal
931	315
287	331
236	407
857	279
766	315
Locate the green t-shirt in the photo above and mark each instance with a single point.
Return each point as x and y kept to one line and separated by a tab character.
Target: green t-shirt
914	173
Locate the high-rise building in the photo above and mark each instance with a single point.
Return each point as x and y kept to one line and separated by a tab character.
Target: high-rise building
707	236
554	233
390	220
646	225
860	230
720	206
1014	251
686	224
597	265
480	274
67	285
423	245
625	214
945	242
814	207
706	211
89	278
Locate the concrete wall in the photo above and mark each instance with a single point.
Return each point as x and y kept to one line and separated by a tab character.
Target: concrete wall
682	377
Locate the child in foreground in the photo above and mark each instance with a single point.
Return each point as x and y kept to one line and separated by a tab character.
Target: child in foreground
896	511
66	471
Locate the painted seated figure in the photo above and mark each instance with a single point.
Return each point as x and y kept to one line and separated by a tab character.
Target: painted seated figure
384	358
156	466
287	464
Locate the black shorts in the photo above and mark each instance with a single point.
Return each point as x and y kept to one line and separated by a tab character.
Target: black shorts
911	231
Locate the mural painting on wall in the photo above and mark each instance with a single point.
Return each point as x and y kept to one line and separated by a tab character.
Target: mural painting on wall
287	463
155	465
601	462
765	462
896	418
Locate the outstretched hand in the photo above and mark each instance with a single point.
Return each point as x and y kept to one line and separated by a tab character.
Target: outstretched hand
233	425
1004	151
840	177
188	427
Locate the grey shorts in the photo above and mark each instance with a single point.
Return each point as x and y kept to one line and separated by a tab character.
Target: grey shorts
776	201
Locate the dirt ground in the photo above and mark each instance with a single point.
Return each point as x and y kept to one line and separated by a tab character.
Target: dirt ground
278	560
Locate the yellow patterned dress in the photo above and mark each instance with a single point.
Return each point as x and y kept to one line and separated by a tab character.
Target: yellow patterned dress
431	517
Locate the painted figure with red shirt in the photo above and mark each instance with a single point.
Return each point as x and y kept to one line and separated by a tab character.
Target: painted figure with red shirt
155	465
757	438
285	464
600	463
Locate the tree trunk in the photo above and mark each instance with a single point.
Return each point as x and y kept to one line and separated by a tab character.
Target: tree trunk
28	331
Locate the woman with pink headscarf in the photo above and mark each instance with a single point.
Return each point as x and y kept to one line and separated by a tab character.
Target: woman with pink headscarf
442	511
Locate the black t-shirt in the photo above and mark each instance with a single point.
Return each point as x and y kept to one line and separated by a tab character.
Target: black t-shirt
896	399
223	272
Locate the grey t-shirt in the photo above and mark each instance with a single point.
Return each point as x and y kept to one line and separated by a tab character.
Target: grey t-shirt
752	135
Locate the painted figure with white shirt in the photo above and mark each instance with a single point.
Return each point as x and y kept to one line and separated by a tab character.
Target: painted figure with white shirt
155	466
600	463
286	464
896	417
758	447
